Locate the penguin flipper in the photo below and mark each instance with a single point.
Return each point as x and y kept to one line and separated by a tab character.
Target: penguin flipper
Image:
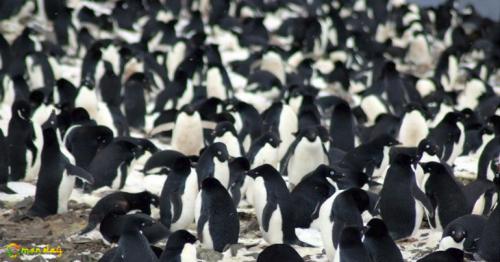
80	172
422	198
176	201
162	128
286	158
270	207
5	189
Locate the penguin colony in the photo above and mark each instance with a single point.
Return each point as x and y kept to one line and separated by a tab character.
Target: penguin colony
342	116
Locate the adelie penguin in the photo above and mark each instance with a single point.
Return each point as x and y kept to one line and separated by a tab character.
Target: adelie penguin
279	252
379	243
463	233
225	133
350	247
445	194
311	192
489	244
214	162
120	203
177	200
216	217
273	206
4	167
305	154
180	247
134	100
57	175
133	245
111	228
22	143
344	208
281	118
402	202
449	136
265	150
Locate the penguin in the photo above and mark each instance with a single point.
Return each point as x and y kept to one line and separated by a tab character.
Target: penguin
402	202
225	133
305	154
161	162
463	233
180	247
371	158
111	228
265	150
83	142
216	217
449	136
237	170
350	247
342	127
133	245
486	166
449	255
187	130
379	243
311	192
214	162
110	165
248	122
413	126
273	206
277	252
489	246
481	196
4	167
134	99
120	203
57	175
343	208
445	194
281	118
178	194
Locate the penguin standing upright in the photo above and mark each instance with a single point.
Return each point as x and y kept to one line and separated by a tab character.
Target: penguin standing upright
413	126
134	99
4	167
213	162
21	146
445	193
305	154
273	206
401	199
265	150
179	194
217	221
226	133
379	243
57	176
281	118
449	136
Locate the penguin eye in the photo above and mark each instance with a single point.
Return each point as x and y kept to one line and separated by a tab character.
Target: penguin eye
271	140
332	173
219	153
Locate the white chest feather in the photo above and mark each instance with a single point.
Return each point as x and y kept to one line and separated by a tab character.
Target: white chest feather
188	203
187	136
215	85
307	156
232	144
413	129
266	155
221	172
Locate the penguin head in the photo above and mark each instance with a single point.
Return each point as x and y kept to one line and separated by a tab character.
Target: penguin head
376	228
137	221
22	109
218	150
434	168
271	138
428	147
453	117
385	140
178	239
262	170
147	198
403	159
310	133
79	115
222	128
457	232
